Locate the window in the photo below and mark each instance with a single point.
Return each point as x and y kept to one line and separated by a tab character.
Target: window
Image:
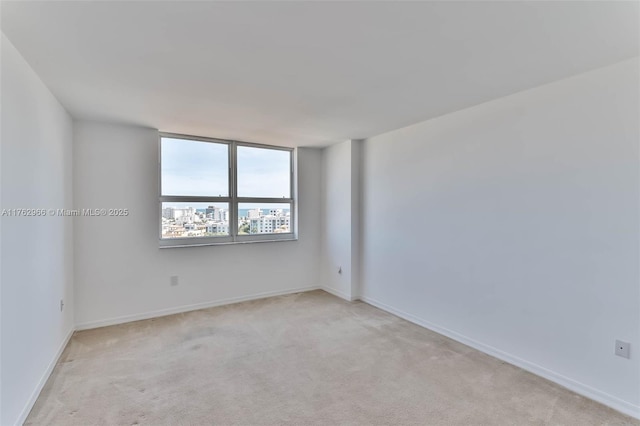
216	191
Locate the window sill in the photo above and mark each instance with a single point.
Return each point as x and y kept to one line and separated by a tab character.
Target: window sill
225	243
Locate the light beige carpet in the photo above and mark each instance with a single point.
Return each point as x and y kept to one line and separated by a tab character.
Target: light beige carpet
303	359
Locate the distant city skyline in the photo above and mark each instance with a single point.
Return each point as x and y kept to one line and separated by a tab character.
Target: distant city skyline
212	220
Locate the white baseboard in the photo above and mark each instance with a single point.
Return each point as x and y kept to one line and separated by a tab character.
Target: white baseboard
338	293
580	388
43	380
186	308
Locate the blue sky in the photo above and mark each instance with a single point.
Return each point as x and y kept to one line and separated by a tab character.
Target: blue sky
263	172
194	168
201	168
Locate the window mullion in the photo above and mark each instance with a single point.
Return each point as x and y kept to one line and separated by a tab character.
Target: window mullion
233	191
193	199
264	200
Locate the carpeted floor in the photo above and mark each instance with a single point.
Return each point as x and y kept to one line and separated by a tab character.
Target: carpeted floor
303	359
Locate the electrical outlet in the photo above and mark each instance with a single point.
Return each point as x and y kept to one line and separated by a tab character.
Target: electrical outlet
61	305
174	280
622	348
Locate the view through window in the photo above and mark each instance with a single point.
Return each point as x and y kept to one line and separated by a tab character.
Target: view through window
215	191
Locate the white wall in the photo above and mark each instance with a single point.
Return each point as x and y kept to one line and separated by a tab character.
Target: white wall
121	274
336	219
515	229
340	216
37	252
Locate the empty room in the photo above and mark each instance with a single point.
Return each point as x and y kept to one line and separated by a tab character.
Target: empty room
319	213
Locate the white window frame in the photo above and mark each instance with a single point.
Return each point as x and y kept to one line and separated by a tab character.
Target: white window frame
233	200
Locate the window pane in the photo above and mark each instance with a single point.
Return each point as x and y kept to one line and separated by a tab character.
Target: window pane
264	172
195	220
194	168
260	218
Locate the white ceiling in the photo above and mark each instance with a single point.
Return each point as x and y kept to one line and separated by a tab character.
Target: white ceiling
306	73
